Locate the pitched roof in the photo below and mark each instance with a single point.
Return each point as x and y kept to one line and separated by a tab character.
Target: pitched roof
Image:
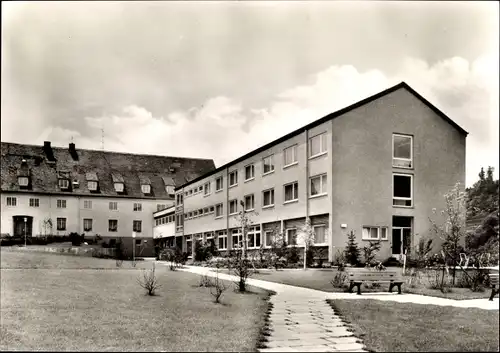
327	118
102	166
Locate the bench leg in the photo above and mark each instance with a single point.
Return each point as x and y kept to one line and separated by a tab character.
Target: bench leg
351	285
494	292
399	288
359	288
390	287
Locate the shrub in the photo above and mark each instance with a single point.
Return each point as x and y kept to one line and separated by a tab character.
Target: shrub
202	251
218	288
370	251
149	281
292	255
205	281
339	280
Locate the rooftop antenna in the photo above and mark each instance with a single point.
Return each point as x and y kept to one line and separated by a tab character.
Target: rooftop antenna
102	138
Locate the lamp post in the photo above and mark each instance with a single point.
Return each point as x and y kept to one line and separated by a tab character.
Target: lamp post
133	247
25	231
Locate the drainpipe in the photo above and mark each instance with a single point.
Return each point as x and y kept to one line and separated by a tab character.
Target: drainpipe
227	211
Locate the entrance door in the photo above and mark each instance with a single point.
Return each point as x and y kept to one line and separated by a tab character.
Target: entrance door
22	228
401	235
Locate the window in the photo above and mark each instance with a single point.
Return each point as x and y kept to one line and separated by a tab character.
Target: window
119	187
189	244
291	236
211	209
383	233
137	226
112	225
222	240
233	207
268	164
319	234
233	178
207	188
206	211
402	190
180	199
87	204
290	156
292	192
249	202
200	212
253	237
268	198
112	243
92	185
61	224
137	207
138	241
113	205
61	203
170	189
146	188
402	151
63	183
23	181
317	145
236	237
374	233
218	184
87	225
11	201
319	185
218	210
269	237
249	172
195	213
34	202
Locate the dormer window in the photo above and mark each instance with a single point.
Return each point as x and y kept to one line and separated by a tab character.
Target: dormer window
92	181
170	189
119	187
23	181
145	188
64	183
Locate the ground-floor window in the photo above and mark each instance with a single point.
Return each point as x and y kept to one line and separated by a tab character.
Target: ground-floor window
253	237
61	224
222	240
236	238
319	234
291	236
269	234
189	244
87	225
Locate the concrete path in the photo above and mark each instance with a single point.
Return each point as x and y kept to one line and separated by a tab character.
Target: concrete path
302	321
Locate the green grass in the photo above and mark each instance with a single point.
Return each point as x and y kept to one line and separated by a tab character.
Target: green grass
320	280
404	327
62	302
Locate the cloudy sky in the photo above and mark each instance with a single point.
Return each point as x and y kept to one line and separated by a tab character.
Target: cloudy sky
219	79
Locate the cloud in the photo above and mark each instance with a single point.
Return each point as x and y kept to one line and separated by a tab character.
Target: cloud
222	128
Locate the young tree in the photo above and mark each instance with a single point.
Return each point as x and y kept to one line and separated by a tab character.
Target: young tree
452	228
352	250
370	251
242	265
307	237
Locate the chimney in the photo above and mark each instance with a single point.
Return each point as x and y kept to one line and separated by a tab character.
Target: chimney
48	151
72	151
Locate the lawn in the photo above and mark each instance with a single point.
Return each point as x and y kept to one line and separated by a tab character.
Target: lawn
320	280
404	327
63	302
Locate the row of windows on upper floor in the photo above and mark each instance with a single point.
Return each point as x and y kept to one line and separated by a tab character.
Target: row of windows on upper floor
402	157
93	186
88	225
164	220
87	204
402	196
317	147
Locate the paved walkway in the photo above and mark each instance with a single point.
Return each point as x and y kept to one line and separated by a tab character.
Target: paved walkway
302	321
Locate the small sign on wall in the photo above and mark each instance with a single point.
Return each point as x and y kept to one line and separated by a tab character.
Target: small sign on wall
133	234
343	225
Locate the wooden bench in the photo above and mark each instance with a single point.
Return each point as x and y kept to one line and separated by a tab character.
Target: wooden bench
494	285
356	278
